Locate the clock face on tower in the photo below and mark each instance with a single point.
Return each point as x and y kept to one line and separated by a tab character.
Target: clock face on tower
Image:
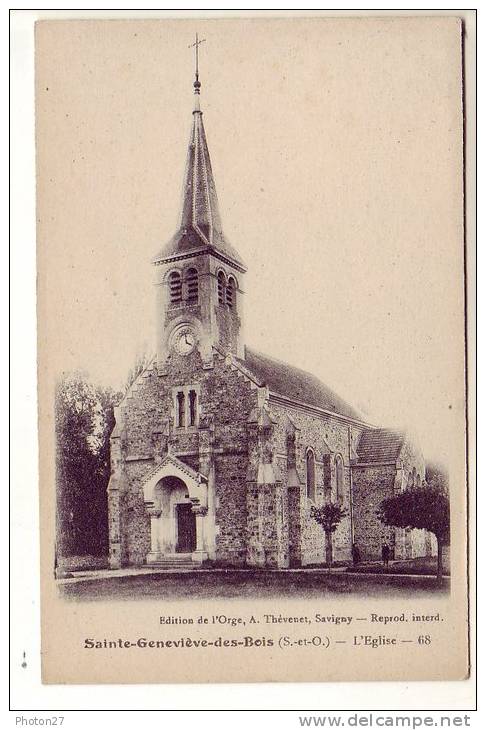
184	340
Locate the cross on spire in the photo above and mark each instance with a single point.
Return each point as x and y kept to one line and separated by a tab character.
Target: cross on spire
196	45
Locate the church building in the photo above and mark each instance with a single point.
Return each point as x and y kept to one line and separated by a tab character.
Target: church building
219	452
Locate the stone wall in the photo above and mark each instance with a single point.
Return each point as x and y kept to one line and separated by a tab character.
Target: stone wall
371	485
146	431
231	508
327	437
264	523
229	324
294	502
268	525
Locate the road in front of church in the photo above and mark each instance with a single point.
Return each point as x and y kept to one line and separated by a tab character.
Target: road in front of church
244	584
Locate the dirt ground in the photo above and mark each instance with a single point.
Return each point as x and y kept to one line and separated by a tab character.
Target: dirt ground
232	584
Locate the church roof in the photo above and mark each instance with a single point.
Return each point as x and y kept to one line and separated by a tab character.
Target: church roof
200	226
296	384
380	445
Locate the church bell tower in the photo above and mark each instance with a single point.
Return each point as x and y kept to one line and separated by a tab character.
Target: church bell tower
198	274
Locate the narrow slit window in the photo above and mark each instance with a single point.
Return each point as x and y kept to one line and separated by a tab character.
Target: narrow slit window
180	409
221	287
175	287
192	407
192	286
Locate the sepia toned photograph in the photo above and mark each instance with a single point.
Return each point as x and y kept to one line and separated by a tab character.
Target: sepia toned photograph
252	390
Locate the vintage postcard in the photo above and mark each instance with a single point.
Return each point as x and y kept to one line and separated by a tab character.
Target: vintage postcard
251	317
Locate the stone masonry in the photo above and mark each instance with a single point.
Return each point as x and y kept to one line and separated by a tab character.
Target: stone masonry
219	452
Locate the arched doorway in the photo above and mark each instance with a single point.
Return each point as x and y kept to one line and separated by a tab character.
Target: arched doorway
176	524
176	499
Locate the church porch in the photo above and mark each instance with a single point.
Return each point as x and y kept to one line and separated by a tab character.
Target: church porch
176	498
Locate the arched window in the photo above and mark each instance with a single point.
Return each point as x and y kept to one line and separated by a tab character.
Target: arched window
192	282
175	287
221	287
326	466
310	463
192	407
186	406
181	409
291	448
231	293
339	478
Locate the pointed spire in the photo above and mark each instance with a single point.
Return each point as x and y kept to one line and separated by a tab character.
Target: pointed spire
200	208
200	225
200	203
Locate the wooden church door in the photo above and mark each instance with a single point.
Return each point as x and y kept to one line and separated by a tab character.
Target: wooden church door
186	529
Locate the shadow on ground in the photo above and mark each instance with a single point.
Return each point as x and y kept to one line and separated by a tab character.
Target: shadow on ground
417	566
251	585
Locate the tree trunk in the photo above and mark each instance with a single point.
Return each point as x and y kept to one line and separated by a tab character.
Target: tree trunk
439	560
329	550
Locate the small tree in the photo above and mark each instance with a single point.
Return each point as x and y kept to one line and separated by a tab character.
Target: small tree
328	516
426	507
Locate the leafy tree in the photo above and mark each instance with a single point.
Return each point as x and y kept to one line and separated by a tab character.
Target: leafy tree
328	516
84	420
425	507
141	363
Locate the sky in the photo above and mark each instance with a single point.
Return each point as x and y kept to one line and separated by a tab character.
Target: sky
336	151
